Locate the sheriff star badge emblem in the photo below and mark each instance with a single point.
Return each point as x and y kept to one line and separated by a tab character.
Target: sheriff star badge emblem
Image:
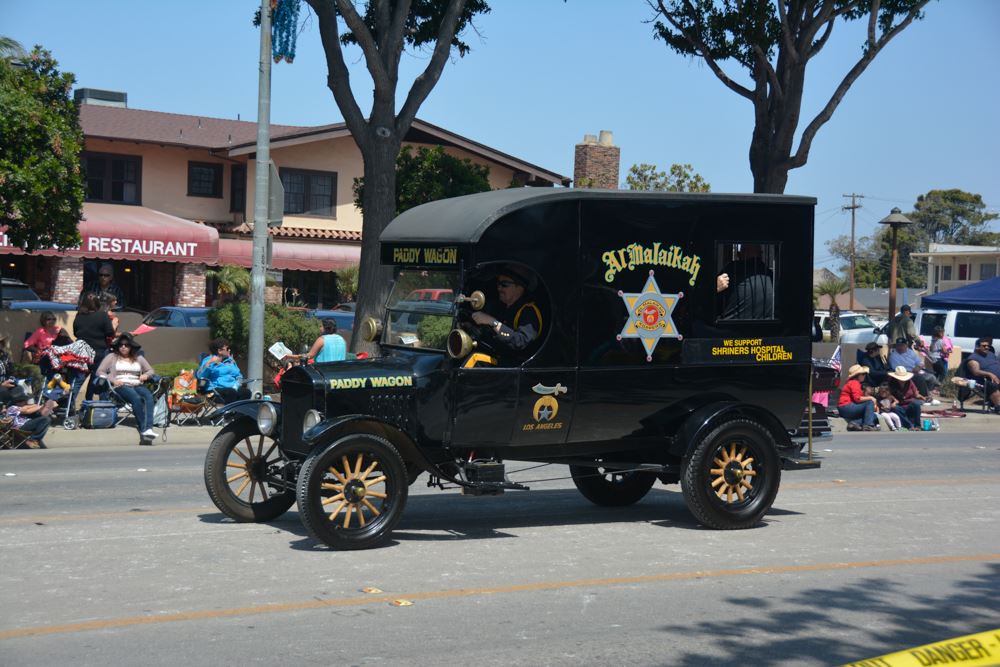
649	315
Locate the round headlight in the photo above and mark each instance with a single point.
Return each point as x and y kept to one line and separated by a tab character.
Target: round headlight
267	418
312	418
370	329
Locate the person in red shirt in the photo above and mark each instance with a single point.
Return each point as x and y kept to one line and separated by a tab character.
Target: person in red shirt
41	339
854	406
910	399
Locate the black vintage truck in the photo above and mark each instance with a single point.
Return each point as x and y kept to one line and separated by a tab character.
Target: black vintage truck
669	340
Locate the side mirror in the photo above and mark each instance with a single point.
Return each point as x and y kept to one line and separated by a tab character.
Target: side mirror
460	344
370	329
477	299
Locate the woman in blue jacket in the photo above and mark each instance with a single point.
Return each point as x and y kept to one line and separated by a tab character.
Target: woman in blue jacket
221	374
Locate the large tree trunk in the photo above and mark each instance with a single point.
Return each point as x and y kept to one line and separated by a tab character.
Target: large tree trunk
375	280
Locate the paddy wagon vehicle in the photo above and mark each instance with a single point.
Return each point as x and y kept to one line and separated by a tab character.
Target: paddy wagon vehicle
650	364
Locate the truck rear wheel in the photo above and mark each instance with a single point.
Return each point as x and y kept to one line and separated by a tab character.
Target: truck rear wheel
352	492
731	478
610	488
237	466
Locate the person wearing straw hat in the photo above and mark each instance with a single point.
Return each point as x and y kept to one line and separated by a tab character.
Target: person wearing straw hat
28	417
911	401
853	405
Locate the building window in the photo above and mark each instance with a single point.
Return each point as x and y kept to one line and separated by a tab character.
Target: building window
987	271
309	192
946	272
204	179
963	271
113	178
238	189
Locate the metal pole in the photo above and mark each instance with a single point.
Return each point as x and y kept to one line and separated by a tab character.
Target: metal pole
892	277
255	360
854	206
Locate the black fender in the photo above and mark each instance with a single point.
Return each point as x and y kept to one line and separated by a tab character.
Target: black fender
245	408
329	430
707	417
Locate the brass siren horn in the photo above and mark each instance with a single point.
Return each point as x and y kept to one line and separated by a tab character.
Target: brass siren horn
477	299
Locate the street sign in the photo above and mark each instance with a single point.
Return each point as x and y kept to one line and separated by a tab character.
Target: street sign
275	197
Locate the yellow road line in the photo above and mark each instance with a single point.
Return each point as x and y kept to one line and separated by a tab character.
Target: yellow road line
313	603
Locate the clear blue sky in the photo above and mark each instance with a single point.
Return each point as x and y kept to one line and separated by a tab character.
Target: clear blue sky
542	73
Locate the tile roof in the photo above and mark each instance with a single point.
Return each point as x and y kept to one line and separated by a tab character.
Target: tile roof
171	128
288	232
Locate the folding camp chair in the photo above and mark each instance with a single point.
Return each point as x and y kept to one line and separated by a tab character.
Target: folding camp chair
186	405
10	437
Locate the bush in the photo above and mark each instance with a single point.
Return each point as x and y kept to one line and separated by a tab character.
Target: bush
172	369
293	328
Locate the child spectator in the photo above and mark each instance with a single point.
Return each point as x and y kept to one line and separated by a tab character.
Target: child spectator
887	406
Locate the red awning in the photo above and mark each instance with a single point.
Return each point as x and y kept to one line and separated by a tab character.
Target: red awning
137	233
290	256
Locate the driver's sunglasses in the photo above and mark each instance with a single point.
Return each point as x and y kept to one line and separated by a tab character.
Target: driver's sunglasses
505	283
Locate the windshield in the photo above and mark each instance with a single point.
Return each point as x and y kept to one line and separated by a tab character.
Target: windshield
856	322
420	309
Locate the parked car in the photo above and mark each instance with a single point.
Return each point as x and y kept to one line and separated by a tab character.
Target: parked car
176	316
54	306
431	295
14	290
634	377
855	328
963	327
343	318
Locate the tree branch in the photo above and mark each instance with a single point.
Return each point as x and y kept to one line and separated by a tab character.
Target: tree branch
699	46
395	38
337	69
786	34
369	47
805	143
424	83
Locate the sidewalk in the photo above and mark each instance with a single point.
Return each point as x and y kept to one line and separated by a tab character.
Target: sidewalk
974	421
126	436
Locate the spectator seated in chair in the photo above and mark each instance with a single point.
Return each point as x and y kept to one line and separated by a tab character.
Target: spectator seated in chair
125	370
221	375
30	419
873	359
854	406
983	368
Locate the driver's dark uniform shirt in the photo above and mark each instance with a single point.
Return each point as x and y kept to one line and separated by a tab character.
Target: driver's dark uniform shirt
750	295
112	289
520	325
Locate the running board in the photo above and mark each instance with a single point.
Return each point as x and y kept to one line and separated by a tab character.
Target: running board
799	464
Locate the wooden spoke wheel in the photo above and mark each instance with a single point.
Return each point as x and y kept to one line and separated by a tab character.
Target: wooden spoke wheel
243	469
731	478
352	492
610	488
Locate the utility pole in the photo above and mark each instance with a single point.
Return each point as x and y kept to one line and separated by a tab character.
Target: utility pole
258	267
853	207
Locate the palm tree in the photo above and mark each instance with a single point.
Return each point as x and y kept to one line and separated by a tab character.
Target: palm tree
832	287
10	49
231	281
347	281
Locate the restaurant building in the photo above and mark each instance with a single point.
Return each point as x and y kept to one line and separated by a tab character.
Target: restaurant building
170	196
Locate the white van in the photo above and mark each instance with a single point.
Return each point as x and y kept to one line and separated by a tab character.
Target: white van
855	328
963	327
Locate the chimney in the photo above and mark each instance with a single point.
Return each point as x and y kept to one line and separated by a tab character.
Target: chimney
595	163
104	98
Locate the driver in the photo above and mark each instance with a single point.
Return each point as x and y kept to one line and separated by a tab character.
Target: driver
520	321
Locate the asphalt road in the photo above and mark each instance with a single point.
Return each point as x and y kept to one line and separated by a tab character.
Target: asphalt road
115	556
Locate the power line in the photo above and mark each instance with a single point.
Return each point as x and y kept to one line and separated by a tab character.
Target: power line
854	206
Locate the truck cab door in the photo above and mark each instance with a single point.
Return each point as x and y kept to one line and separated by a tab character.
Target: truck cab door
545	404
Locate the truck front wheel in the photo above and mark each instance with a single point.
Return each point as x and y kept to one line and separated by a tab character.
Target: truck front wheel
731	478
352	492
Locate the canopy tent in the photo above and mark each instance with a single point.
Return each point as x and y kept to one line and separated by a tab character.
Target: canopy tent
984	295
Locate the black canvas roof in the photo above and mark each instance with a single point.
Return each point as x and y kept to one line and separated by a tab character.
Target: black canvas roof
464	219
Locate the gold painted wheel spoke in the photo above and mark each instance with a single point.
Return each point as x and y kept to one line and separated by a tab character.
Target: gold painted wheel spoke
361	516
369	470
739	492
238	466
336	510
749	473
347	517
347	467
241	475
357	468
236	450
327	501
716	471
243	485
718	480
336	473
331	487
376	494
744	483
372	482
364	501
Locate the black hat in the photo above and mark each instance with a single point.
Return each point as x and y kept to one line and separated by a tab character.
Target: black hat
519	275
126	338
901	341
905	308
18	394
871	346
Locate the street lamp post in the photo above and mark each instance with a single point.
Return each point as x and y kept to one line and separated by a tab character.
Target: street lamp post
895	220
